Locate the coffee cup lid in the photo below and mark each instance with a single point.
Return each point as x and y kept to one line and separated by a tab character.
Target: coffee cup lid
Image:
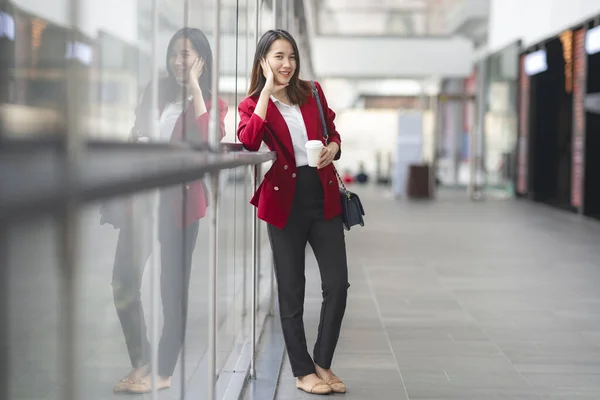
314	143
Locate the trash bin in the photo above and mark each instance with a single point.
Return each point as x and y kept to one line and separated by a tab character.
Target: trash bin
419	184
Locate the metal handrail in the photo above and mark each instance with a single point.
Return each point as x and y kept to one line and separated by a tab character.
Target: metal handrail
32	180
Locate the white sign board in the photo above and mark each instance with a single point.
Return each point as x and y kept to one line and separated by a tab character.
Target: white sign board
409	149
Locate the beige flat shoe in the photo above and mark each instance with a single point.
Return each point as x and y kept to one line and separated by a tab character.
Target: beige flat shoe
123	385
337	386
318	388
145	386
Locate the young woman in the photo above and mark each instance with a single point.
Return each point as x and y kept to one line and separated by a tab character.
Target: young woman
189	62
300	204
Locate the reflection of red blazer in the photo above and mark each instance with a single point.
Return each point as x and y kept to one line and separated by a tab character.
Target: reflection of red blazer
196	201
196	132
275	195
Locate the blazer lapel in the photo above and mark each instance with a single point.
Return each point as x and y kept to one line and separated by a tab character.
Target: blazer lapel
188	114
278	126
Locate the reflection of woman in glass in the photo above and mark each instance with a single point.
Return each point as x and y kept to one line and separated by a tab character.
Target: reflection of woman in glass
300	204
189	62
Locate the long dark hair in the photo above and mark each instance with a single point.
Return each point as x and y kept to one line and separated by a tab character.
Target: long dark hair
298	90
169	86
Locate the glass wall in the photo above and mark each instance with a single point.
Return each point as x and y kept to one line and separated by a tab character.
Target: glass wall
456	123
127	259
500	118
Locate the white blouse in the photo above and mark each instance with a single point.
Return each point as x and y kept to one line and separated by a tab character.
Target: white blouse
168	119
295	122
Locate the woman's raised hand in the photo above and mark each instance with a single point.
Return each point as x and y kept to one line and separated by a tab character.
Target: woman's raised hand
195	72
271	85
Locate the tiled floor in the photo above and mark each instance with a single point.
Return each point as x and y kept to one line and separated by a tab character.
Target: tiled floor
453	299
450	299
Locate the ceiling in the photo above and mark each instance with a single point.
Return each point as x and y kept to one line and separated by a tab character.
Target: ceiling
379	17
407	18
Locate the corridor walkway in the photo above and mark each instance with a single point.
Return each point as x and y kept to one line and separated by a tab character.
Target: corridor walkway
454	299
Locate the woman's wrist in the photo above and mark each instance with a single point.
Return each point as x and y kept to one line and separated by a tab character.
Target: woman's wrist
262	104
196	91
265	93
334	146
198	101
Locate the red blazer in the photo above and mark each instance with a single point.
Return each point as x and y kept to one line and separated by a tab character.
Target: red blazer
196	132
196	200
275	195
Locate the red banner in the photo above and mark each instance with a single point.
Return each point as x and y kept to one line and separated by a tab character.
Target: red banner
579	92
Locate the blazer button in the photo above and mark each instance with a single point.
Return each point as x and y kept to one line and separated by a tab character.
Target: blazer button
294	175
276	188
329	183
187	187
285	167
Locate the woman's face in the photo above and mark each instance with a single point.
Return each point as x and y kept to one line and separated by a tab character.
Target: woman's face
282	59
182	58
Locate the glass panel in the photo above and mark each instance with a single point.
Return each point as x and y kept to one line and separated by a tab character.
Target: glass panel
227	260
243	233
226	220
186	47
265	273
143	310
136	255
31	268
129	296
116	314
233	271
196	344
501	118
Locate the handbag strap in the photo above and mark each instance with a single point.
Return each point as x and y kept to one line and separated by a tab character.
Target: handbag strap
324	130
318	98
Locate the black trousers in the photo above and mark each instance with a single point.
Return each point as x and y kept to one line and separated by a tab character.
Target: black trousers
307	224
133	251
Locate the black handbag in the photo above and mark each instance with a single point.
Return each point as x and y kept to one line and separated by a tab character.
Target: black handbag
352	208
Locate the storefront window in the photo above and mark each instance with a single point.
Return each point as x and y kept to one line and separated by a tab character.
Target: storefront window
500	121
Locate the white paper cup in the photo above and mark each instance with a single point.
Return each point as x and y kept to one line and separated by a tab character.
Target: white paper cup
313	149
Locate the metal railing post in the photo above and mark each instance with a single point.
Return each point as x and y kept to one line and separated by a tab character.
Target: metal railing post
284	15
215	138
155	258
256	21
255	226
69	224
255	263
5	295
215	130
212	287
272	298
